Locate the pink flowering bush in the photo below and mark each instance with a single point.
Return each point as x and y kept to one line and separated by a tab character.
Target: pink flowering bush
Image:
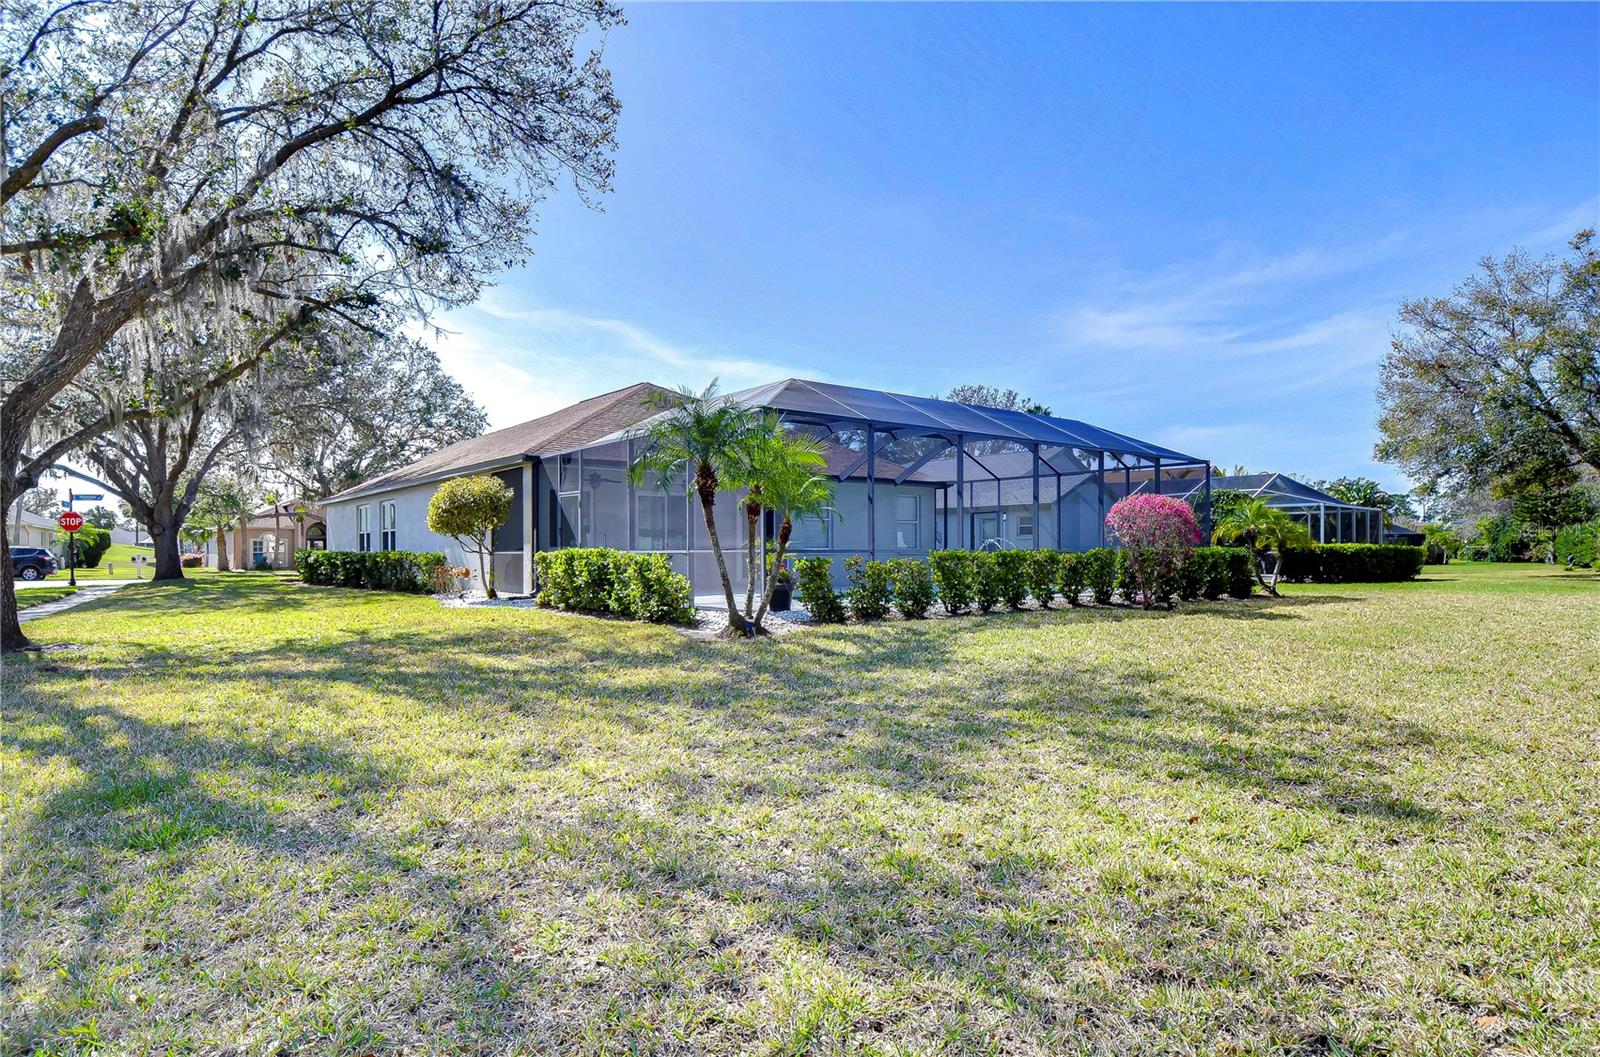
1156	533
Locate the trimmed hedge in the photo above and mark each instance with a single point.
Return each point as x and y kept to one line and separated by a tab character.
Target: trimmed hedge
871	588
986	587
1044	572
1351	563
1072	577
913	587
1211	572
411	571
953	576
1102	569
1011	569
962	580
617	583
813	580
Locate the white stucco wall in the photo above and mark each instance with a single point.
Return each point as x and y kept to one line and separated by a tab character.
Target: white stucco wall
412	533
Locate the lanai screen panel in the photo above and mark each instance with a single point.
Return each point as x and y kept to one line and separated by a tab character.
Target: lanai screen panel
843	405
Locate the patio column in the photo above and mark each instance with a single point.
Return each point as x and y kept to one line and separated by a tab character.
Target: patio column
1100	494
961	493
527	527
1322	523
1155	475
1207	525
1058	505
1037	528
872	492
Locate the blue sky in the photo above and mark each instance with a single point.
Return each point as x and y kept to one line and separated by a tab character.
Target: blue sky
1190	223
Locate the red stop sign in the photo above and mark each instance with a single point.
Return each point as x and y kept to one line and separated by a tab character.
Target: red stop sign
70	521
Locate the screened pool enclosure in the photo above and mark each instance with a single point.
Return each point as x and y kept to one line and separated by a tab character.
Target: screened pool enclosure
913	474
1328	519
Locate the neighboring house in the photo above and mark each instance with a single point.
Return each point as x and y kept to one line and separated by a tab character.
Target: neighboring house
1330	520
909	481
24	528
273	534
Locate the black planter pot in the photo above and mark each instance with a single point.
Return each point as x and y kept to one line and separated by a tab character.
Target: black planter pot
781	598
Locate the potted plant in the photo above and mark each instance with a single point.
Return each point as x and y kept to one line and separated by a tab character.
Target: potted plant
782	589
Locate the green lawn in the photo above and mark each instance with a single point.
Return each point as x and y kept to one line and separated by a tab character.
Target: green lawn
34	596
256	817
116	564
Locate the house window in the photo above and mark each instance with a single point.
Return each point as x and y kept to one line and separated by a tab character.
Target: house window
1025	526
908	522
364	527
258	550
386	527
811	534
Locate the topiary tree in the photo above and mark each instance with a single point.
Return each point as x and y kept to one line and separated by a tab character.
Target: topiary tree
468	510
1157	532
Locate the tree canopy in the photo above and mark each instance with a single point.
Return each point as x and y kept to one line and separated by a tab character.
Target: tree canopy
260	168
1497	386
1364	491
995	396
363	410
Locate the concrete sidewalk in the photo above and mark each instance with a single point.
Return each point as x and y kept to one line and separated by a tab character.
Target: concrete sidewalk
84	594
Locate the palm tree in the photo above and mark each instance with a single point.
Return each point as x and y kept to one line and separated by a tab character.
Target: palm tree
785	467
1263	528
221	502
710	434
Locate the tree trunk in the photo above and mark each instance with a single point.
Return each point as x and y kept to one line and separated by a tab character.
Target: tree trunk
1261	576
752	514
222	550
777	563
11	636
164	527
486	573
706	487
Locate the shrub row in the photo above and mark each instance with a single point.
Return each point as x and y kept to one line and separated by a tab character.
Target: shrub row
194	560
620	583
1347	563
961	580
410	571
1579	544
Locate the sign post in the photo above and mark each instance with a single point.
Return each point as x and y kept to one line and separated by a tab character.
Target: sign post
70	522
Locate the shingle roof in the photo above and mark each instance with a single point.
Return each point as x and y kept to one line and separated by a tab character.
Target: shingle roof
571	427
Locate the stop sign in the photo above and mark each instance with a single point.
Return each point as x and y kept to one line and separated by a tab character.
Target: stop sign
71	521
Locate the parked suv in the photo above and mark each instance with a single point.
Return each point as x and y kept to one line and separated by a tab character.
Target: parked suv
32	563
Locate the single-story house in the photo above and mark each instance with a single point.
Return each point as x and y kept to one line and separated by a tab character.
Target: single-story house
912	476
274	532
1329	520
24	528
